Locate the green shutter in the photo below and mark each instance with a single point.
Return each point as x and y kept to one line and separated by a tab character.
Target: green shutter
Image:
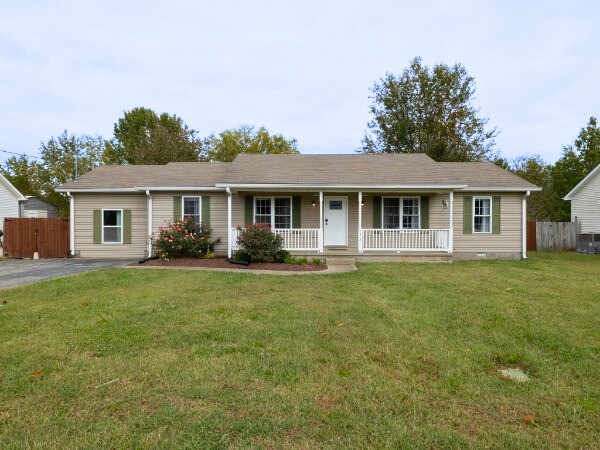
248	210
126	226
205	202
376	212
424	212
496	211
177	207
468	215
296	214
97	226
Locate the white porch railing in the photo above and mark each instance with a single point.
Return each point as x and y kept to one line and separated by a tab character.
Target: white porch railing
426	240
293	239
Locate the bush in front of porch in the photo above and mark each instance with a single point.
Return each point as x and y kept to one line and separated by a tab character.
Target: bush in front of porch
257	243
183	239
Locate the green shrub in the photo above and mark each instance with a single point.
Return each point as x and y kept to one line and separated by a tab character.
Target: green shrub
241	255
183	239
317	261
302	261
282	256
259	242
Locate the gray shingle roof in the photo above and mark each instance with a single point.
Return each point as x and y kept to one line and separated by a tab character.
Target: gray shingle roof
170	175
321	170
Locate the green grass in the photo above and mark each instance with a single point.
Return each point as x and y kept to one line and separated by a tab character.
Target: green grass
393	355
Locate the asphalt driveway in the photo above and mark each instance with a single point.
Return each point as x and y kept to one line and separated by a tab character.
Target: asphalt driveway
15	272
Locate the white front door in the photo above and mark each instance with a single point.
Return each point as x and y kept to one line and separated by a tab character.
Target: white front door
335	216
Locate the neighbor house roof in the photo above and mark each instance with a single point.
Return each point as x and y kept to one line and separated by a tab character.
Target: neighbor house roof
12	188
582	183
279	171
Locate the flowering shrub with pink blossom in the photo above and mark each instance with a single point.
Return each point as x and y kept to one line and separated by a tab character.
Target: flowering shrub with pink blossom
259	243
183	239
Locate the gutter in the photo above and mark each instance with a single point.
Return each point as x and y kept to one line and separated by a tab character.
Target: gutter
524	225
340	186
71	224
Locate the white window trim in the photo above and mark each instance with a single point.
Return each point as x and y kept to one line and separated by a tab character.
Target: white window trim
183	197
113	226
482	197
401	198
272	200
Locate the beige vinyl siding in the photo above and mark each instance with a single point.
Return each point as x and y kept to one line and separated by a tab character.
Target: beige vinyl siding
508	241
162	213
585	206
85	204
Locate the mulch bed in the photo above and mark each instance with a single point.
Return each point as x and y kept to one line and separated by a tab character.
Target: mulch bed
222	263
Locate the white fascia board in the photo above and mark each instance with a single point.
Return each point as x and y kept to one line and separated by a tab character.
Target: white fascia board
99	190
12	188
179	188
341	186
583	182
501	189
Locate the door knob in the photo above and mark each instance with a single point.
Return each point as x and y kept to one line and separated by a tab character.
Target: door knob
326	221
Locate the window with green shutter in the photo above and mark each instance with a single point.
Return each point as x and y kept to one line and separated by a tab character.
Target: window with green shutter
177	207
467	214
206	210
377	212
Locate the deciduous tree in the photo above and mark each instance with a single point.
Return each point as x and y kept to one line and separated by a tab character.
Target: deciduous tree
428	111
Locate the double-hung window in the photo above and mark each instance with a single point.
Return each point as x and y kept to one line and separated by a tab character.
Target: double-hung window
191	209
482	214
401	212
273	211
112	226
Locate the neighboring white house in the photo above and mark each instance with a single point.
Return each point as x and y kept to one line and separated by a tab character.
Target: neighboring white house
10	198
585	202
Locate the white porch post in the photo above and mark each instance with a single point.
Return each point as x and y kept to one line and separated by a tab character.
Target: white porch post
321	238
360	242
149	209
71	223
229	223
451	230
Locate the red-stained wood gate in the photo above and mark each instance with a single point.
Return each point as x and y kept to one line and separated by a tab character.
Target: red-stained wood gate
23	237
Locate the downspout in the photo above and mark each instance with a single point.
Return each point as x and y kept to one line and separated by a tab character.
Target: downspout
524	224
149	208
229	223
71	223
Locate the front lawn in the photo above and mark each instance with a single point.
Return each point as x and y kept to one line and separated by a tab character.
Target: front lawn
393	355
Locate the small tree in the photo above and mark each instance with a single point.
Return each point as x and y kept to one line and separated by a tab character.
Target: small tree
183	239
259	243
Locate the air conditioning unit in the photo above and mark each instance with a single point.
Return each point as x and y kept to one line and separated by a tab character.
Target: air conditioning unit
588	243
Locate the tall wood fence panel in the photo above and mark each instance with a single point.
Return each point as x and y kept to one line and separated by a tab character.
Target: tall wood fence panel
557	235
531	236
49	237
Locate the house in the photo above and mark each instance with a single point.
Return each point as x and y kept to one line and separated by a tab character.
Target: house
10	198
34	207
384	206
585	202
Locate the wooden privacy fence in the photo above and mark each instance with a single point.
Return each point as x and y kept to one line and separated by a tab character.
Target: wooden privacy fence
49	237
552	235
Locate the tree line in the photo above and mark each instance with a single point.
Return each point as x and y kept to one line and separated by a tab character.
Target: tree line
422	110
141	136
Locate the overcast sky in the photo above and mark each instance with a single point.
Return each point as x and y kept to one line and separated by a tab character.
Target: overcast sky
302	69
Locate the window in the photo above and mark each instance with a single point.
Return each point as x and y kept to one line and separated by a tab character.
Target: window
401	212
482	214
112	226
191	209
273	211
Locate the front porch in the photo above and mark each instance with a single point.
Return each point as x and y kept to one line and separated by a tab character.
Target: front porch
350	223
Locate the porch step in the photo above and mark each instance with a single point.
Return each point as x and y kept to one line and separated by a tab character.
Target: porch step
340	261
